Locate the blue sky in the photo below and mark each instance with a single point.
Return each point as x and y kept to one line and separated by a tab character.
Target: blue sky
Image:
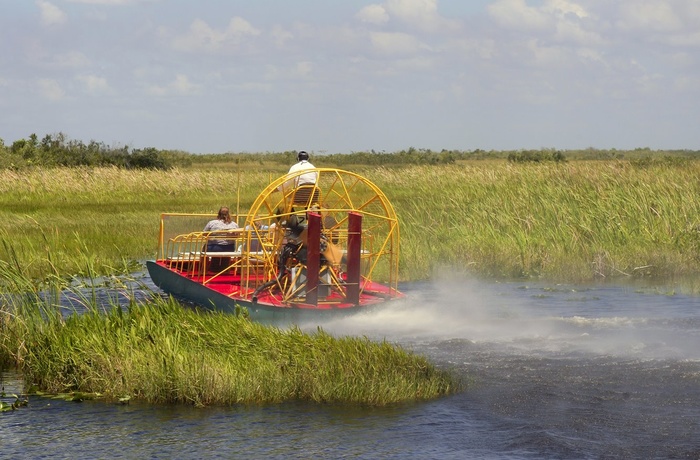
341	76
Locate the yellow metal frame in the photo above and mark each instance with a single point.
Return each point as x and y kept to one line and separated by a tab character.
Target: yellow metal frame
340	192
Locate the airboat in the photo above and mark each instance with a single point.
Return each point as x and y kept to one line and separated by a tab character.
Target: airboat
317	250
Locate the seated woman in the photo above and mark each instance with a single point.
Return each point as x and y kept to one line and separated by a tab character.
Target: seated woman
220	225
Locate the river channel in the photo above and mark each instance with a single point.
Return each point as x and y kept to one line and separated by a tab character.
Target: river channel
553	371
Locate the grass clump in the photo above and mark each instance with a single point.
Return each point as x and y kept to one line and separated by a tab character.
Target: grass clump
162	352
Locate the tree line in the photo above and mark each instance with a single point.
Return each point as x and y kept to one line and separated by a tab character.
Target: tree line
55	150
58	150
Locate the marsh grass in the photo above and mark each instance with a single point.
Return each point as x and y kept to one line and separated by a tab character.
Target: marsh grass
161	352
573	221
108	215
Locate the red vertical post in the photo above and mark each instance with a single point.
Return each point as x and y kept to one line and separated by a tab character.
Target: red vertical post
353	257
313	257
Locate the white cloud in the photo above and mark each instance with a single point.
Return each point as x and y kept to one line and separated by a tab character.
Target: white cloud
517	15
672	22
239	27
303	69
530	54
202	37
181	85
658	16
564	7
591	55
94	84
482	48
412	10
51	14
573	32
280	35
556	20
373	14
393	43
110	2
51	89
418	14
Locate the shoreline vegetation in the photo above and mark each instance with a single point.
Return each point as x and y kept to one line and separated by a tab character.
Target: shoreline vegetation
161	352
70	210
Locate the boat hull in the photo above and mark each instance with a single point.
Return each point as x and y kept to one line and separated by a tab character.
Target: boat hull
184	288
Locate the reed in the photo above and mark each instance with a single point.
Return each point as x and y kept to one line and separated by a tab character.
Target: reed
107	215
161	352
569	221
575	221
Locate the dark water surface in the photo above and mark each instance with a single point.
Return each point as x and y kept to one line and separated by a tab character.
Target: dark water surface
553	372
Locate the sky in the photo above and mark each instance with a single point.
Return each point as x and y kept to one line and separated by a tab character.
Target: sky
326	76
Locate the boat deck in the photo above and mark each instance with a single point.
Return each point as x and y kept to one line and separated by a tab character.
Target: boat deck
230	282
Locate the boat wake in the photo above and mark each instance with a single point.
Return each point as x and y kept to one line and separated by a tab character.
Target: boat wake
535	320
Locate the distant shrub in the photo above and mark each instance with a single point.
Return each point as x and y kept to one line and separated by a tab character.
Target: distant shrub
58	150
673	161
536	156
412	156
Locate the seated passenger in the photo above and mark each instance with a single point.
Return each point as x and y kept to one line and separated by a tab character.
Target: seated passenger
220	225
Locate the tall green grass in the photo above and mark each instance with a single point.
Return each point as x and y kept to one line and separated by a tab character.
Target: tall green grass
161	352
573	221
57	218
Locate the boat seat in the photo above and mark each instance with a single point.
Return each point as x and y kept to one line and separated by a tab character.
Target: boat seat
306	195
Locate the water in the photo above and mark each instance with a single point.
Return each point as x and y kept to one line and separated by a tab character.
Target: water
552	371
